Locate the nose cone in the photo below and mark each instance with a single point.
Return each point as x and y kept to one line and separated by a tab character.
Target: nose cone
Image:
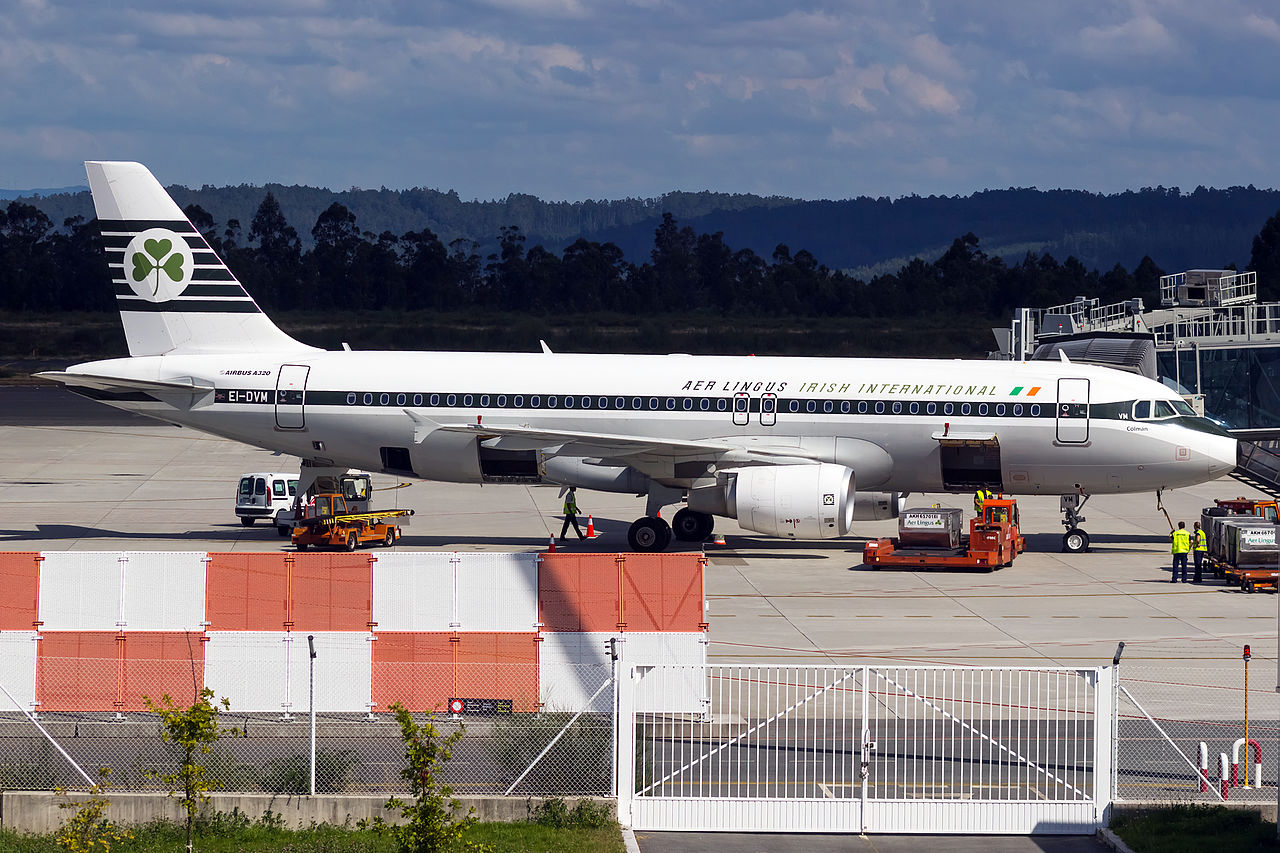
1222	454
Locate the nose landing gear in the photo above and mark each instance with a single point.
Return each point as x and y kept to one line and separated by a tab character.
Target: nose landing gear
1075	540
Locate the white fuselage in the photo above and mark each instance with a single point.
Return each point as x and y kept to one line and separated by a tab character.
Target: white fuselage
887	419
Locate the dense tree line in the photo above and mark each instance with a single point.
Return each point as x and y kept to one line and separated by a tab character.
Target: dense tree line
43	269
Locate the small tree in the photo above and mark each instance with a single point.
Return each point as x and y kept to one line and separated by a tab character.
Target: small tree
193	730
87	830
430	822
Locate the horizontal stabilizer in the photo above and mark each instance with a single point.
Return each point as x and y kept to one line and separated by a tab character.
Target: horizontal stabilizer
118	383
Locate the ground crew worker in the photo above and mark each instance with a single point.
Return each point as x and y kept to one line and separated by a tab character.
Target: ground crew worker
1200	547
980	497
571	514
1181	545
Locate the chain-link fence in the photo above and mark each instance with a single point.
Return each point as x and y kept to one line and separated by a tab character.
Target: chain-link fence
507	747
1175	717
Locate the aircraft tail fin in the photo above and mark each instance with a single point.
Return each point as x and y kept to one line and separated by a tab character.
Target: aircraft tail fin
173	291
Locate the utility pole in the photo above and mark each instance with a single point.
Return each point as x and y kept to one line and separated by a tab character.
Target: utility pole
311	646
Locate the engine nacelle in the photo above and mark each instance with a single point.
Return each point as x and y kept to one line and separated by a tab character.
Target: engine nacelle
793	501
877	506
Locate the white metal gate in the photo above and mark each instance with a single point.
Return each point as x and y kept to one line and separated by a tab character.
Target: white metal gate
866	749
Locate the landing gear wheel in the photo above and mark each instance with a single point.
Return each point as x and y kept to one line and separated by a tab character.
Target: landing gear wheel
691	526
352	541
247	520
648	535
1075	541
390	538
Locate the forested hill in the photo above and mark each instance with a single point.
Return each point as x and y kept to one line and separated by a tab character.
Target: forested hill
1204	228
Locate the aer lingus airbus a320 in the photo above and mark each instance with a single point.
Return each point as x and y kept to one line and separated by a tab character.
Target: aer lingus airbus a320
790	447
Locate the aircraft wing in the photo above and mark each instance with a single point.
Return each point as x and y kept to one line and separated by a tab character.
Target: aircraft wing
610	445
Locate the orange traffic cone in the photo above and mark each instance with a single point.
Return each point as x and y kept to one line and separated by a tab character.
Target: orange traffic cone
591	527
551	545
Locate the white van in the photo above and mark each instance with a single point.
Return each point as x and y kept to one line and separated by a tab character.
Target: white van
269	496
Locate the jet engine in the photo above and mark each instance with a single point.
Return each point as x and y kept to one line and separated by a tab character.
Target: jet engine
788	501
877	506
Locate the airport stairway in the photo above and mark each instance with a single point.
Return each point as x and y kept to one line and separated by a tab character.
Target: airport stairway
1258	465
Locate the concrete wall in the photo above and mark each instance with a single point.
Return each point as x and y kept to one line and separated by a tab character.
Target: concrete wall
38	812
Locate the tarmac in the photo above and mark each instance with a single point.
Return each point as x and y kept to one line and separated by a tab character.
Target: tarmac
80	476
76	475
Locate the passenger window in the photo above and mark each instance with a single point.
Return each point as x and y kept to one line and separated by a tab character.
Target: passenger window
965	408
1163	409
551	401
435	399
931	408
686	404
948	408
517	400
1035	410
862	407
739	404
484	401
400	399
704	404
466	401
982	408
914	408
828	406
844	407
671	403
880	407
417	399
1017	410
277	489
451	400
897	408
795	405
811	406
721	405
351	398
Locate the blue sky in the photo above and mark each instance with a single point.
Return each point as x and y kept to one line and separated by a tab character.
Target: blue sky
574	99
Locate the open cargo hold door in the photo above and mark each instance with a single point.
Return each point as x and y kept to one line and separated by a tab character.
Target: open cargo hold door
970	460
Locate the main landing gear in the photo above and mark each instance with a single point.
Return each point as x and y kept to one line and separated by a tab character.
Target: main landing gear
1075	540
651	533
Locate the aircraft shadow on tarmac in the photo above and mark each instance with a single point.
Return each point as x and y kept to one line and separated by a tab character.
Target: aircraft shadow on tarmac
72	531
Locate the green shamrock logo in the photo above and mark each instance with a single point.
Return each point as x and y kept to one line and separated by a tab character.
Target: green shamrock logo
157	256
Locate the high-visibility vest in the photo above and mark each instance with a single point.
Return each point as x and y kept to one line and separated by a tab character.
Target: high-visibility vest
1181	541
570	504
1202	541
979	498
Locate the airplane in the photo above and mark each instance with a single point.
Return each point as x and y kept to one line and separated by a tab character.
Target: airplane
790	447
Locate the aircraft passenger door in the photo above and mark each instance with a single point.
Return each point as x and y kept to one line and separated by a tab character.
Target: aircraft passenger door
291	389
741	409
1073	411
768	409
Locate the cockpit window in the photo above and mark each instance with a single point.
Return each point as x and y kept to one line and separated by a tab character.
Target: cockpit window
1142	410
1182	407
1163	409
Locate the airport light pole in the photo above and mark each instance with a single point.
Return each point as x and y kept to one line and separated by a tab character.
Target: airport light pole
311	700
